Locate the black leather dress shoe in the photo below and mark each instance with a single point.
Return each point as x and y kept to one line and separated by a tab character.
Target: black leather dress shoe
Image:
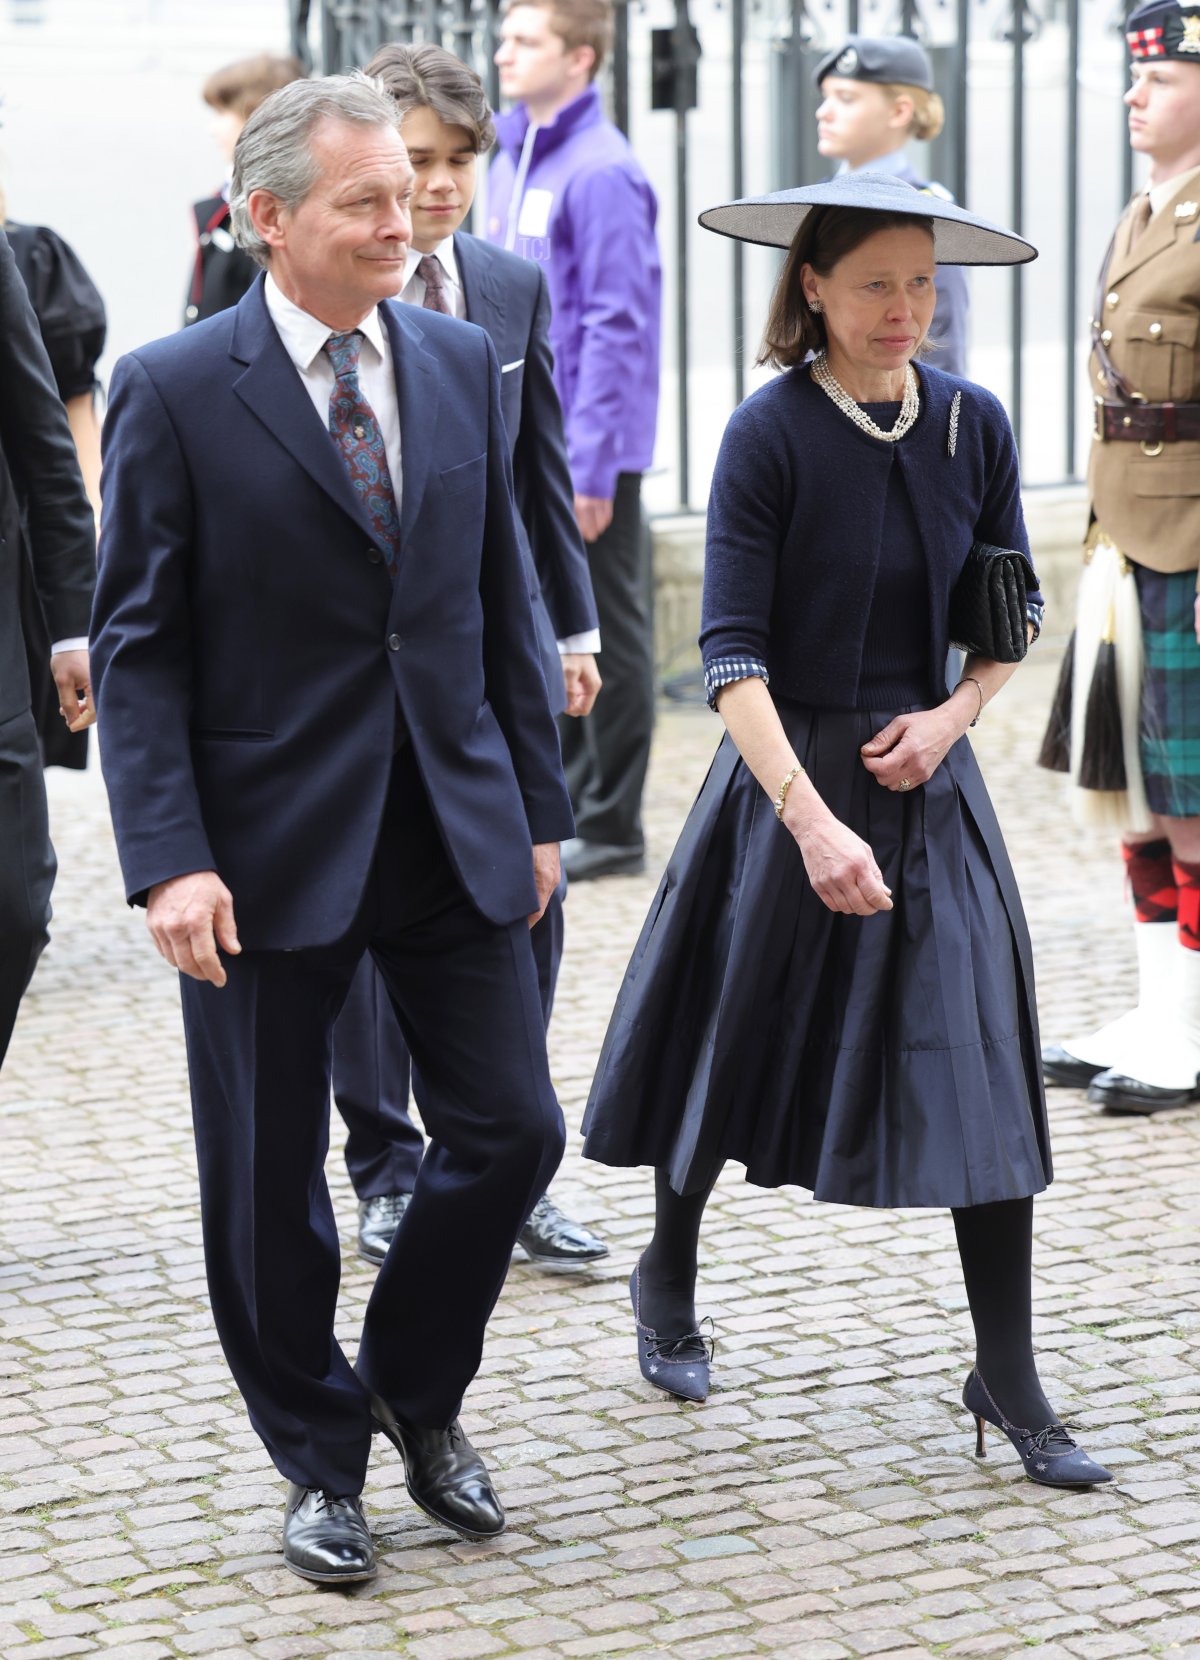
378	1220
1116	1093
1059	1067
554	1243
445	1476
326	1538
582	860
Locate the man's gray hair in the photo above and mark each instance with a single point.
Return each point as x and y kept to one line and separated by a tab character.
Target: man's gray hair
274	151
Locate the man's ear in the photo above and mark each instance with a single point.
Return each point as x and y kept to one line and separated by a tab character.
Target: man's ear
583	61
267	216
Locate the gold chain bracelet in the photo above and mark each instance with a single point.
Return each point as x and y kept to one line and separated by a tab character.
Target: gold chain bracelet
784	788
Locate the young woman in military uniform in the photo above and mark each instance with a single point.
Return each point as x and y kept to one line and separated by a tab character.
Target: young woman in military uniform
1144	540
877	97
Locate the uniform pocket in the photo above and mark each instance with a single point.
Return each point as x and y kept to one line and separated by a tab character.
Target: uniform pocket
1162	475
1160	347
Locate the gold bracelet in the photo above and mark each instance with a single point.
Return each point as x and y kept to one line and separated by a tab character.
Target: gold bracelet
784	788
978	685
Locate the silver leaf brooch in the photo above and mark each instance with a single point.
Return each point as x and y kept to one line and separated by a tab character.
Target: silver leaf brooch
952	435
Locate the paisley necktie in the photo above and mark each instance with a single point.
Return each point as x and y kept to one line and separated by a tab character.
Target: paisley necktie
355	431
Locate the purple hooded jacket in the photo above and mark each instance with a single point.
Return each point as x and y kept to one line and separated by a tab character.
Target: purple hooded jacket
572	196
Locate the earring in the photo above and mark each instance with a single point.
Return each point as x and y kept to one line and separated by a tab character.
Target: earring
815	307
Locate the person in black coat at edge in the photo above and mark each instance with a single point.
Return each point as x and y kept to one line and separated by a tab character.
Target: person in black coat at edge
834	986
221	271
42	490
447	126
71	318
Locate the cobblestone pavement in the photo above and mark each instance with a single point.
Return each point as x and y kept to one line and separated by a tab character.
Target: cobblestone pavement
823	1503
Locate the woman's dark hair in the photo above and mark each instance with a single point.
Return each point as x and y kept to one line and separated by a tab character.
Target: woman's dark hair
825	237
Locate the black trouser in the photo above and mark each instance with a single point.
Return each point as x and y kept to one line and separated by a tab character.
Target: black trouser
372	1069
465	992
27	865
605	754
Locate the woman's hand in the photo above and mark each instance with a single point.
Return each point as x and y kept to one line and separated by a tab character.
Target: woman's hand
912	747
840	866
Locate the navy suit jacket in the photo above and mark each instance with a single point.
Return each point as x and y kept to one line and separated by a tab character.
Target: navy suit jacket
508	297
249	648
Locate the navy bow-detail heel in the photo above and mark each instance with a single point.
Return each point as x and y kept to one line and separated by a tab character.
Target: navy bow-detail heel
678	1365
1049	1455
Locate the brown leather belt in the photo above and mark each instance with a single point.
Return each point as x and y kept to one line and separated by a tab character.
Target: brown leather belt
1146	423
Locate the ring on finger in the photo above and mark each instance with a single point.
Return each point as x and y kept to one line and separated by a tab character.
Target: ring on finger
904	784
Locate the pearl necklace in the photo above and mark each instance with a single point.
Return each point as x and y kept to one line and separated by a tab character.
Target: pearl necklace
834	390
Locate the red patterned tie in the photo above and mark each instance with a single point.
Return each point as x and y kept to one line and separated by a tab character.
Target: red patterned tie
355	431
430	272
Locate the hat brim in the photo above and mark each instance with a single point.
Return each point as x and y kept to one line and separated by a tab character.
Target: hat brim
959	237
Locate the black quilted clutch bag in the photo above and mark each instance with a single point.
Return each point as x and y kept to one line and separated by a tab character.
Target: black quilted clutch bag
987	604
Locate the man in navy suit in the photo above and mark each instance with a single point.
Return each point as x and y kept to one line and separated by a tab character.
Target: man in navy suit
446	126
327	732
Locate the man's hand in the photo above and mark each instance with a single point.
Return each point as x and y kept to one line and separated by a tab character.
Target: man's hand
581	679
593	515
73	678
189	916
547	873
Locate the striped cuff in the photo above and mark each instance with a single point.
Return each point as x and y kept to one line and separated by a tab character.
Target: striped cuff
723	671
1035	610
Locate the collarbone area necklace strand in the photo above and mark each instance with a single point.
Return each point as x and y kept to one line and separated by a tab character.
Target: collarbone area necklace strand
833	389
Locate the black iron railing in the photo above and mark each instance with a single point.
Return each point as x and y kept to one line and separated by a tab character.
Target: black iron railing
1035	136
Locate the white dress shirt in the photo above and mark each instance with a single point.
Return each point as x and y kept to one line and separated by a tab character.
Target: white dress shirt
304	337
413	293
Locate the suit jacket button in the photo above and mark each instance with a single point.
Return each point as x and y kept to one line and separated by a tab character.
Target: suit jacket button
374	556
394	642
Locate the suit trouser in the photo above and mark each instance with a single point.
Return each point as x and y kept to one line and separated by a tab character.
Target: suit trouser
465	993
605	755
372	1069
27	865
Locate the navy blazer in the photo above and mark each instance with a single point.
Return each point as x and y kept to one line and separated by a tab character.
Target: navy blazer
249	648
507	296
796	522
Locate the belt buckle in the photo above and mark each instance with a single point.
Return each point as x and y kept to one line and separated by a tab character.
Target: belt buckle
1098	420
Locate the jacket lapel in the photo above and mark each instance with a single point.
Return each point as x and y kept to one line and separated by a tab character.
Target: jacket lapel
418	388
1158	235
272	389
484	296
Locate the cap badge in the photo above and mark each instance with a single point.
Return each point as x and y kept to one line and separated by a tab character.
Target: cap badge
1191	34
1187	210
847	61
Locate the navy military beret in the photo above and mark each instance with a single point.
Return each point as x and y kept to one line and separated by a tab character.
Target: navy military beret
894	58
1165	30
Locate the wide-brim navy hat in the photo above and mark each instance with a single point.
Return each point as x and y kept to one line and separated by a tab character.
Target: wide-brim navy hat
959	237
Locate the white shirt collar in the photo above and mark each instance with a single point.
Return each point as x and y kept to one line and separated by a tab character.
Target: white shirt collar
304	335
443	253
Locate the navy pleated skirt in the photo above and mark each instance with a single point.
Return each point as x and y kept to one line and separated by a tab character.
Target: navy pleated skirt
889	1060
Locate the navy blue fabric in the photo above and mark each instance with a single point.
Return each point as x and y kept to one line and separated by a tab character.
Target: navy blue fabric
248	658
507	297
796	527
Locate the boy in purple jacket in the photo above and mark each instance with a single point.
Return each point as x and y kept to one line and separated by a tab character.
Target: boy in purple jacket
565	189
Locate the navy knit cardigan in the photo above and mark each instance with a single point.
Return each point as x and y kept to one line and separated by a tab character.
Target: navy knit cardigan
796	520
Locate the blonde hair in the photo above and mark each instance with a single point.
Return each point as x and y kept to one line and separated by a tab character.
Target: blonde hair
929	113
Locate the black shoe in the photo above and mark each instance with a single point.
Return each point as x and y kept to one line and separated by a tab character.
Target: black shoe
326	1538
581	860
555	1243
677	1365
445	1476
1061	1067
378	1220
1116	1093
1049	1454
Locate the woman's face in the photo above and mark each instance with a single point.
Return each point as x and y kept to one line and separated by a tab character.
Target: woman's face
878	301
858	121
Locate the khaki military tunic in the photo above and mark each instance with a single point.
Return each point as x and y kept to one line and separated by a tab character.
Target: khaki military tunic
1149	504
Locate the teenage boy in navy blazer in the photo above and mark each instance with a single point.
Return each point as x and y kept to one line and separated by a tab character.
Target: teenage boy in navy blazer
447	125
327	731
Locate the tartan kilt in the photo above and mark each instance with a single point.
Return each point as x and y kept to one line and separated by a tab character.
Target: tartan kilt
1170	724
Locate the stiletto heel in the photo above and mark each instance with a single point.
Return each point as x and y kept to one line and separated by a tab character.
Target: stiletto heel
1049	1454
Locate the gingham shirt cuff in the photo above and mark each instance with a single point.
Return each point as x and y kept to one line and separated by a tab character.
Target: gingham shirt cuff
722	671
1035	610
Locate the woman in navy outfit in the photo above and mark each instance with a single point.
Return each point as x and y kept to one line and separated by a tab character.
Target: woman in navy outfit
834	986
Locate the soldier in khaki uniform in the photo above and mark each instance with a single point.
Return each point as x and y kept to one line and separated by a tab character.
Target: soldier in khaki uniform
1144	479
